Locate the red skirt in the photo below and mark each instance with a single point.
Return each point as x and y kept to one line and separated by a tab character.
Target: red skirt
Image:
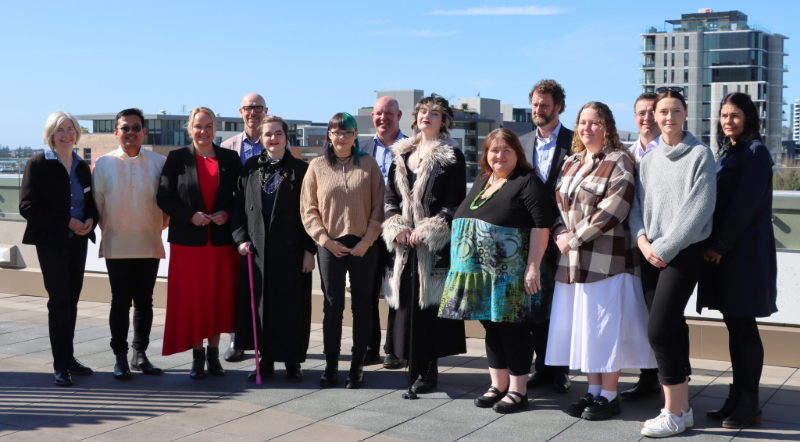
201	295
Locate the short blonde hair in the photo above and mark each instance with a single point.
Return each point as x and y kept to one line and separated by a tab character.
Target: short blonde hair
51	125
193	114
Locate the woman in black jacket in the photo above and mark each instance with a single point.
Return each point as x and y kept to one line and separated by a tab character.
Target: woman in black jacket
197	189
56	199
427	181
740	274
266	223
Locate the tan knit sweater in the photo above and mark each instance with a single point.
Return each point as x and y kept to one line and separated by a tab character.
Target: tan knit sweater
330	209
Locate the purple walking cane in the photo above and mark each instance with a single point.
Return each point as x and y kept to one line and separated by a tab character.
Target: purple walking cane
253	309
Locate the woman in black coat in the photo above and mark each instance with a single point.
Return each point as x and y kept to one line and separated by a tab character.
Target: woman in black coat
56	198
427	182
267	224
197	188
741	270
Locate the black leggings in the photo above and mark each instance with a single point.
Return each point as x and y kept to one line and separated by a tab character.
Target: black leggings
667	291
509	346
332	271
747	352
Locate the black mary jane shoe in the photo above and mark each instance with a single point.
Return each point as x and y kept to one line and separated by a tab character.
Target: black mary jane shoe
267	370
139	362
601	409
294	373
392	362
121	370
642	389
212	360
62	378
520	402
78	369
489	401
575	409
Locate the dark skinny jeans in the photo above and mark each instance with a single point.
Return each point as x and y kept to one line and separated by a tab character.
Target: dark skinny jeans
667	291
132	280
332	271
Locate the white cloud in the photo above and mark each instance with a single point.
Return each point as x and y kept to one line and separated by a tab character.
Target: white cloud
504	10
413	32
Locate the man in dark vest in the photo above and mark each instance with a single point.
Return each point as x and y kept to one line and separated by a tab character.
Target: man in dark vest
545	148
386	116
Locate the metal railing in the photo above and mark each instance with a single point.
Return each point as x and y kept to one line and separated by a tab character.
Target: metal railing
647	48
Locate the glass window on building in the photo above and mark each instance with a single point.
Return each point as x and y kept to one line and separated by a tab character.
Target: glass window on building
706	127
686	75
665	75
665	45
686	59
724	90
706	110
665	59
87	155
673	43
686	42
673	57
485	128
672	76
706	93
685	91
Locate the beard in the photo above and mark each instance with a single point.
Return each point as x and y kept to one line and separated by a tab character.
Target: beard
544	120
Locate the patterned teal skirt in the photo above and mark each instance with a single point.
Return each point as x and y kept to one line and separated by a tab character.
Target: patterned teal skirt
486	280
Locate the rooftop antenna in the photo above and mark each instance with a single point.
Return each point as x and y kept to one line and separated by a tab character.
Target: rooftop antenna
183	109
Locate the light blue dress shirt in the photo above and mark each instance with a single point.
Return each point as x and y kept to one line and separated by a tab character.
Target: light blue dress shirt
543	153
249	149
383	155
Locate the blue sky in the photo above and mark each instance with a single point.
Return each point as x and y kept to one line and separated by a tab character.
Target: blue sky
313	59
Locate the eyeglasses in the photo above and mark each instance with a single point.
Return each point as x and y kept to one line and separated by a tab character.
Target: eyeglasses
135	129
251	109
673	89
348	134
643	115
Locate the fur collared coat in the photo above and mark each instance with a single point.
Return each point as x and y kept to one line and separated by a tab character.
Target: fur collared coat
428	208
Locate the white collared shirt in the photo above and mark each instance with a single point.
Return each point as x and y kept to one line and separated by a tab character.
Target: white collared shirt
543	152
640	151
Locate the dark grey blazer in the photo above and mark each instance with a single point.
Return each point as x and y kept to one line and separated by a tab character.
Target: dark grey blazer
563	146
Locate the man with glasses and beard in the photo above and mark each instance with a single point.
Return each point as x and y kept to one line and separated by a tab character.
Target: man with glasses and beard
545	148
247	144
124	184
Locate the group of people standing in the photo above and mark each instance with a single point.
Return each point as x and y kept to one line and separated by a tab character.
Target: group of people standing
569	246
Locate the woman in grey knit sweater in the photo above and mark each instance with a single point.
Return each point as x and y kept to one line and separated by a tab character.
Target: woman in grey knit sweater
670	218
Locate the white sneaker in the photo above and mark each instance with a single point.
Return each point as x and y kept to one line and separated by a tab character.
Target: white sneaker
665	425
688	418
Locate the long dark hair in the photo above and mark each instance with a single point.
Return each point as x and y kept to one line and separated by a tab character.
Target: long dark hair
752	123
341	121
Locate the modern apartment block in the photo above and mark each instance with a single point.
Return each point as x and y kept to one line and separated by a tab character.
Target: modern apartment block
794	121
710	54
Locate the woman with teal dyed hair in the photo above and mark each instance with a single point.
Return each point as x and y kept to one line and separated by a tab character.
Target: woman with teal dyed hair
342	210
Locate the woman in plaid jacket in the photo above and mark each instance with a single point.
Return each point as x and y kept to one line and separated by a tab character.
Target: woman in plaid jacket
599	318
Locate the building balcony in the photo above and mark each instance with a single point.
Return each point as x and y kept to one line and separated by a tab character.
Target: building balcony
470	132
647	81
648	64
653	30
647	48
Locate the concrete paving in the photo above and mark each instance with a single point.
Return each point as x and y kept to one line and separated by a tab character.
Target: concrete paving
174	407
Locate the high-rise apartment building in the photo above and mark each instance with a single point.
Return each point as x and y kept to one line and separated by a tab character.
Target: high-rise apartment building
710	54
794	121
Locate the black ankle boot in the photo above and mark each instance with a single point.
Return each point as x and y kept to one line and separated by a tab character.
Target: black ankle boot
727	407
214	366
428	377
198	364
139	362
355	379
122	371
747	412
330	377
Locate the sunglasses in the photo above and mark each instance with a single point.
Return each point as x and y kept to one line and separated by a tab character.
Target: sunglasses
673	89
135	129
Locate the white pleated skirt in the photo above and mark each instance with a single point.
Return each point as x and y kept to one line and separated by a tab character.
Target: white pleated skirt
600	327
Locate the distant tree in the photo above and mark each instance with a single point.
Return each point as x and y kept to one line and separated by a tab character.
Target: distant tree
786	179
84	130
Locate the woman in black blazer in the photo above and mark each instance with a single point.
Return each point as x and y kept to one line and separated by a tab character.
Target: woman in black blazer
266	223
740	275
197	188
56	199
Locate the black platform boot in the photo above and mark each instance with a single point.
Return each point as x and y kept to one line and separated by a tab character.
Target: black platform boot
198	364
214	366
355	379
330	377
747	412
428	377
122	371
727	407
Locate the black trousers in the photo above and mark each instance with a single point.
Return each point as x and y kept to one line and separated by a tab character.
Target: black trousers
667	291
508	346
377	286
747	351
333	271
649	374
62	271
132	280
